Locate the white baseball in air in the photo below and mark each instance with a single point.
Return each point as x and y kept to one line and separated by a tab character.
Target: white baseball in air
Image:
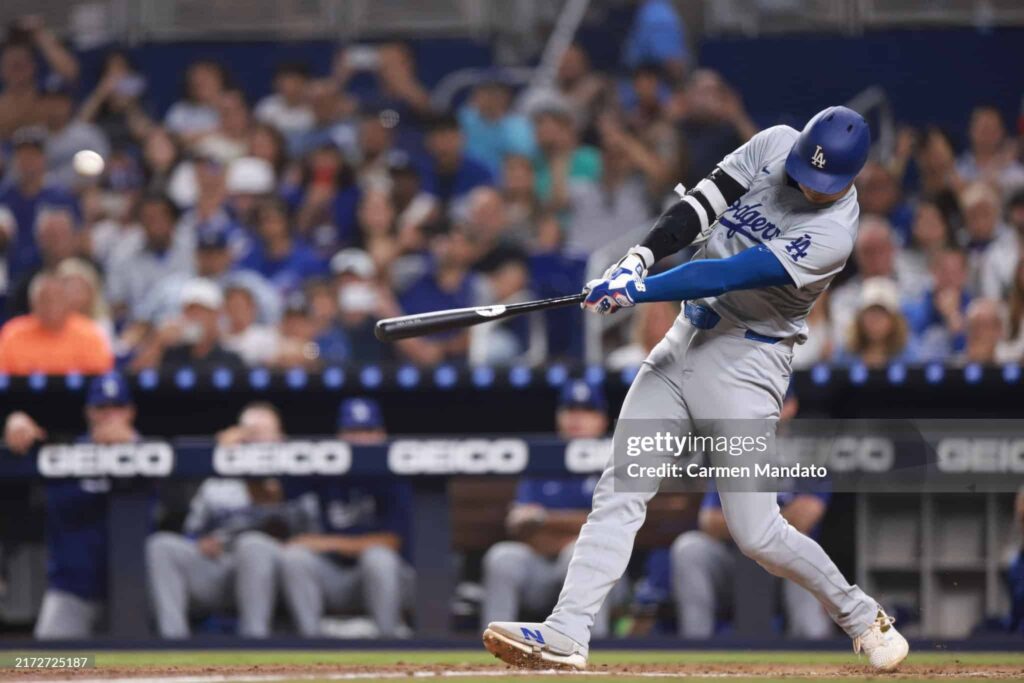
87	163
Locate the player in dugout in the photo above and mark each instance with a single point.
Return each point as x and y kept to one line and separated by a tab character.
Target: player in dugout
76	514
524	575
356	561
230	541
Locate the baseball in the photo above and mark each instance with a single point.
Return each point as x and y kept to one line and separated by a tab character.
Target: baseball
88	163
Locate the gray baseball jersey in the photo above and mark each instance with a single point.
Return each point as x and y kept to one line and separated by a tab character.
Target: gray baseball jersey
812	242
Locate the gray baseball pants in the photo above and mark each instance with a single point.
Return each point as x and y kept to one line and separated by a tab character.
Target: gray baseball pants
65	616
703	568
379	582
184	582
703	376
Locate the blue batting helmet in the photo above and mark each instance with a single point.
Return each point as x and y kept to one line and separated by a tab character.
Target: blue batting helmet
830	151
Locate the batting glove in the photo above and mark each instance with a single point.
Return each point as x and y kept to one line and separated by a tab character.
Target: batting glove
619	285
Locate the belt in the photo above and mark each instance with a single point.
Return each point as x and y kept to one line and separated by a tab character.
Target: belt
705	318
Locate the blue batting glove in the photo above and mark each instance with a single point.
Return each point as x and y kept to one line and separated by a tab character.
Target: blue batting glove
618	287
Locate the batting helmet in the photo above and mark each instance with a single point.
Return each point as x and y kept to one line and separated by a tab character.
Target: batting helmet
830	151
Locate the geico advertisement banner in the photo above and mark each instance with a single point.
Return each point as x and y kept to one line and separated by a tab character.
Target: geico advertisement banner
291	458
146	459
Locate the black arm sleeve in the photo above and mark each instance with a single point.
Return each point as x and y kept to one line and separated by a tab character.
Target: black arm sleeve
680	224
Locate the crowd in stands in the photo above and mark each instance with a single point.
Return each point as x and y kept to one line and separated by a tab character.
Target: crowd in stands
229	232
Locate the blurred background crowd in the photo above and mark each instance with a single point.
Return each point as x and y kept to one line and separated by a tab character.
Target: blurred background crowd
236	229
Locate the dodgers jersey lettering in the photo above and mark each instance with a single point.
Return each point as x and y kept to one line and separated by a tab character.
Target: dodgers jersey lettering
811	241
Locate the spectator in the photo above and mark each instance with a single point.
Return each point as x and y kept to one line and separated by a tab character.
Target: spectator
447	284
579	84
986	332
878	332
704	566
936	167
277	255
330	339
53	339
632	177
453	172
930	234
874	255
143	260
375	142
162	161
712	122
197	114
526	573
287	109
84	291
56	240
255	343
114	105
658	36
377	228
331	121
879	194
25	196
77	515
19	99
560	158
492	131
193	339
266	143
990	245
327	201
393	70
230	140
1000	264
522	206
991	158
356	562
414	207
937	319
231	542
359	303
248	181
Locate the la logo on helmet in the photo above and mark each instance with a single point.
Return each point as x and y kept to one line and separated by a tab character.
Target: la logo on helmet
818	158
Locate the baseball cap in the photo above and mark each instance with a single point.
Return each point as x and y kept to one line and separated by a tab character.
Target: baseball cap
880	291
250	175
110	389
355	261
359	413
202	292
26	136
579	393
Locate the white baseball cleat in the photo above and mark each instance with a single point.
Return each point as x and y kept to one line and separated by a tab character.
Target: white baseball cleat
882	643
529	645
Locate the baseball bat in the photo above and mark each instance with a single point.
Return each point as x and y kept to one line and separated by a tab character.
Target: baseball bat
418	324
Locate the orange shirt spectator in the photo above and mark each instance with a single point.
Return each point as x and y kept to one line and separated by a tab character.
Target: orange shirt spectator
52	338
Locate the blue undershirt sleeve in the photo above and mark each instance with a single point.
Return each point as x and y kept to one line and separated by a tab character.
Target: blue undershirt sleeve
752	268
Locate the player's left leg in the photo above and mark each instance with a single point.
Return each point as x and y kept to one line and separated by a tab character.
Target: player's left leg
65	616
737	385
380	574
257	565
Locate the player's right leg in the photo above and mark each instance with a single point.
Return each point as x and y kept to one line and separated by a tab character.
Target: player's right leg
182	579
257	561
605	542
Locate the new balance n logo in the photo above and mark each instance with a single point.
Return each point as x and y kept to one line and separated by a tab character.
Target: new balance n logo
532	635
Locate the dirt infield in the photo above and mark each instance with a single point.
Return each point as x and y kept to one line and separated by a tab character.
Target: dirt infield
326	672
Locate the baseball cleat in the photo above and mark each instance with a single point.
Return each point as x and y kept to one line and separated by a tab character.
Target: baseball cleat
882	643
529	645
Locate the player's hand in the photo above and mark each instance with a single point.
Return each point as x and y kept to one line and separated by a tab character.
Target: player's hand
618	287
210	546
21	432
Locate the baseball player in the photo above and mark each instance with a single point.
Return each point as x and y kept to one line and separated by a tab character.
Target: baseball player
779	218
76	515
231	542
355	563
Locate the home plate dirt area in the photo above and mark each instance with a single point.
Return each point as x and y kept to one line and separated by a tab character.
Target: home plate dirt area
227	666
